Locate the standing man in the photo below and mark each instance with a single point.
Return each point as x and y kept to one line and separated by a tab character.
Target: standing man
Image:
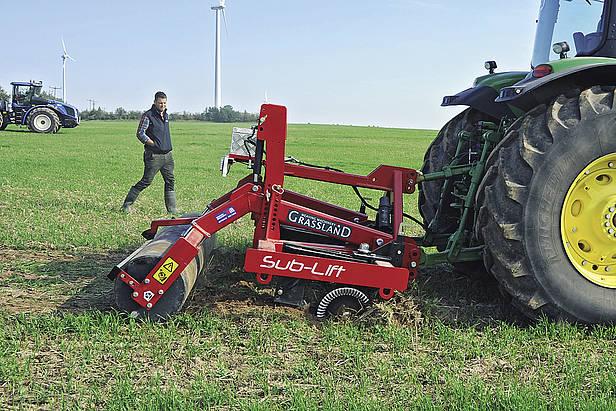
153	132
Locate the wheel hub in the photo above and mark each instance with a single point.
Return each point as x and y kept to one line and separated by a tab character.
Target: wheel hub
42	122
588	222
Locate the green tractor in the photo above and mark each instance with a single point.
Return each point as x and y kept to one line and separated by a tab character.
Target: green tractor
522	184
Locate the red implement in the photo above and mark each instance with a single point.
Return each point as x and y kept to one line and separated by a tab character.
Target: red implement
296	236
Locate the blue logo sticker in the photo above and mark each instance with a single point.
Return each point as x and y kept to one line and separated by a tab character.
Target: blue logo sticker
225	215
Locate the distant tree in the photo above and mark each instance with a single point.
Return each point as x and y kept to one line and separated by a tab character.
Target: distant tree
120	114
3	94
49	96
226	114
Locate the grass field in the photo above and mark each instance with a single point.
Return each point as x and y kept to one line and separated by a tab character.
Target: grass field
447	343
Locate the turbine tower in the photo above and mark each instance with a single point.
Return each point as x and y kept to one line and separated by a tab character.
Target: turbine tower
64	56
220	9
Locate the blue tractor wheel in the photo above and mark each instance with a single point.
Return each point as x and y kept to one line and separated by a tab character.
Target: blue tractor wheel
43	120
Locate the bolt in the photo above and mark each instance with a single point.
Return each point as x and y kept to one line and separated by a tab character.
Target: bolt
161	292
610	165
607	216
607	224
279	292
587	172
574	229
612	209
147	281
607	268
149	305
379	242
583	262
364	248
135	294
611	231
131	283
413	264
255	188
399	252
122	275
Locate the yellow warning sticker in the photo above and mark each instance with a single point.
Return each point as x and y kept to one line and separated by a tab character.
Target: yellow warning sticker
165	270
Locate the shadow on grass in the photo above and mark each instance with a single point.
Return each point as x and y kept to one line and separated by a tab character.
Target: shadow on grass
439	293
22	129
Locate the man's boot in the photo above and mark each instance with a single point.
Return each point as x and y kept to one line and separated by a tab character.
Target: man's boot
170	202
132	195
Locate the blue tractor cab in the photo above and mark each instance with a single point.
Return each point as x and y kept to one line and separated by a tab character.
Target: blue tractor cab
41	115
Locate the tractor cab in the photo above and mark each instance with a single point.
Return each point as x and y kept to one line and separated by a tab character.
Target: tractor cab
575	27
26	94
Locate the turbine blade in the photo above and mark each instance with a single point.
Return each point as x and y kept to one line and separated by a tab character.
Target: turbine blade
63	45
224	20
71	58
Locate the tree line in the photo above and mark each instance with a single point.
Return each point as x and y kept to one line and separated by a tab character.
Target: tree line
225	114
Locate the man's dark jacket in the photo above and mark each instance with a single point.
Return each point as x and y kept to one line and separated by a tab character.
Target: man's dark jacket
158	131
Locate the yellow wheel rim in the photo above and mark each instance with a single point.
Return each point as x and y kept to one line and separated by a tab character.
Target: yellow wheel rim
588	222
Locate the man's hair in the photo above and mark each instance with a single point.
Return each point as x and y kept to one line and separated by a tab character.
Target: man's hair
159	94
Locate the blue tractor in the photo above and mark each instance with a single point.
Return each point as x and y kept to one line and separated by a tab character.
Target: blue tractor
41	115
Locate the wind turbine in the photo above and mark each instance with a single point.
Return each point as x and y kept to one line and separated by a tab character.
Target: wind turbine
220	9
64	56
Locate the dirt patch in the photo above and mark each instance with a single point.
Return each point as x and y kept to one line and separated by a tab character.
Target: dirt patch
51	280
59	281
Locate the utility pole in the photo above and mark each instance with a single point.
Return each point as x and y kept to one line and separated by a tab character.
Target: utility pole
93	103
54	90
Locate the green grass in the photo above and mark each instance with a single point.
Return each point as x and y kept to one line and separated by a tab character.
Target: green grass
447	343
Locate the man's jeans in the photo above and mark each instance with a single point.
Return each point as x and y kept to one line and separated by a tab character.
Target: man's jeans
153	163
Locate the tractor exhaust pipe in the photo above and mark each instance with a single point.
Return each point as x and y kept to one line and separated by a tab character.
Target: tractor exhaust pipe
142	262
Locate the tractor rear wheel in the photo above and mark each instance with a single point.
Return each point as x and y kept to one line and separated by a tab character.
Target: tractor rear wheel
4	121
440	153
43	120
548	203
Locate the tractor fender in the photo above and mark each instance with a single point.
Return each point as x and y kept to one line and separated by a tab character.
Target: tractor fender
528	94
24	119
481	98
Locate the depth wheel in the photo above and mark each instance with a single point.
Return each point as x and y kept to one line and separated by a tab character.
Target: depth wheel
4	121
546	216
342	302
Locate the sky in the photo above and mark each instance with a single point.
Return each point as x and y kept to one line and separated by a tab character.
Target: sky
383	63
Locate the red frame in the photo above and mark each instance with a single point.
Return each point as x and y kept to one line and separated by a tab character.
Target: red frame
270	204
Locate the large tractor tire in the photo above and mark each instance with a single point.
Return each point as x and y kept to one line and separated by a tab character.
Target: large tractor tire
548	204
440	153
4	121
43	120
